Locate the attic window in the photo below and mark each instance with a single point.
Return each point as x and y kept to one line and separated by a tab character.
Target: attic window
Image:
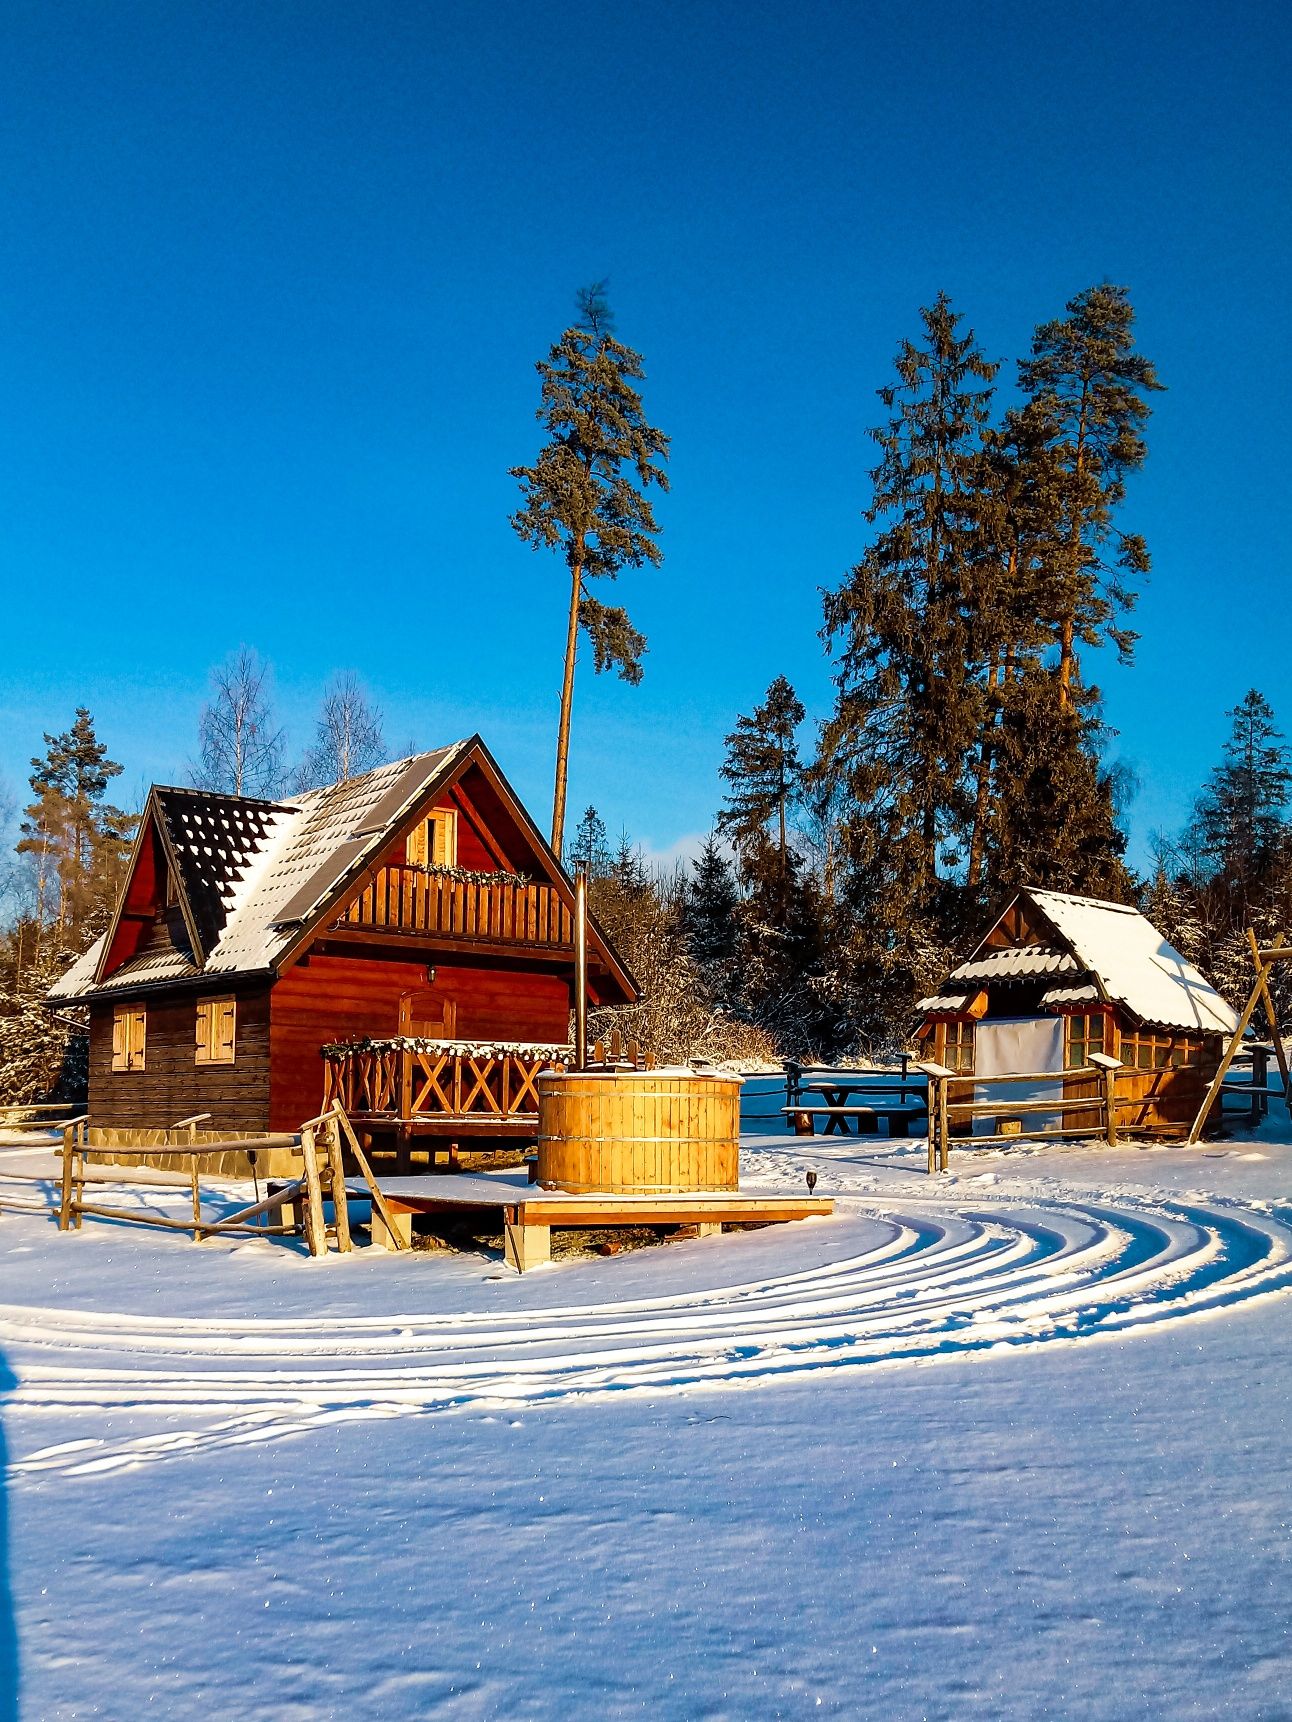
434	843
216	1029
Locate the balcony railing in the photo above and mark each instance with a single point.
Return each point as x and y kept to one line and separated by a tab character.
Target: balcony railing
489	910
461	1087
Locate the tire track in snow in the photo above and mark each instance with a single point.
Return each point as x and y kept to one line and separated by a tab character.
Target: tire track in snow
934	1282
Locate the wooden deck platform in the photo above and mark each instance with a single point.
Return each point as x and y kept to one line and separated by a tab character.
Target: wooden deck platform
527	1213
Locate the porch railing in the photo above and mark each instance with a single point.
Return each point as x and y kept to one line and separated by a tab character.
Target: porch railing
415	1083
405	899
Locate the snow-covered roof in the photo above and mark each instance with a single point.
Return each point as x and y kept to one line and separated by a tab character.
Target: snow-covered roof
1018	962
1134	965
254	872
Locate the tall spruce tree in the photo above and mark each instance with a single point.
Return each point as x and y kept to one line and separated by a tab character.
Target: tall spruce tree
590	848
1241	820
709	916
763	770
908	709
587	494
1088	387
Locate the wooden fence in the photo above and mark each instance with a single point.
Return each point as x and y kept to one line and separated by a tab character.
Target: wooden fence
1099	1108
319	1145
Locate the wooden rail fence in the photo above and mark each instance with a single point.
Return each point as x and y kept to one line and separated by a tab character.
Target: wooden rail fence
320	1145
944	1110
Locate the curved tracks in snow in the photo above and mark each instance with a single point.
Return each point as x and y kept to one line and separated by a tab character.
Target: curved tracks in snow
927	1282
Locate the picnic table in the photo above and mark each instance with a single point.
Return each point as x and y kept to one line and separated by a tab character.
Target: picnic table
893	1096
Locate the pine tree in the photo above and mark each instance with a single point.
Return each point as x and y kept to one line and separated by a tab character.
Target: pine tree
591	847
587	494
909	706
1241	820
709	917
77	842
1087	385
764	770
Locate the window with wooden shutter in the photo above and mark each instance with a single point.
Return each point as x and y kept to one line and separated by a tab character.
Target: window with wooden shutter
216	1031
434	843
129	1033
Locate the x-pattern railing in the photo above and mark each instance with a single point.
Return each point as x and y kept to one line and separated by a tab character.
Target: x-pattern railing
413	1081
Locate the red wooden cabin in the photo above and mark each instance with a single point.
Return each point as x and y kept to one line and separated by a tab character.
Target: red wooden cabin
403	941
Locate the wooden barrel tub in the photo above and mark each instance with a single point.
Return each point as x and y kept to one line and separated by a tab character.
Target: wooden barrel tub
646	1131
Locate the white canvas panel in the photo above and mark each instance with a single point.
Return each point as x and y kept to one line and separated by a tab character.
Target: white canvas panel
1018	1044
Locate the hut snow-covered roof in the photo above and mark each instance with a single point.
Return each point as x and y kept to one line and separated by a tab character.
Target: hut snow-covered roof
1098	952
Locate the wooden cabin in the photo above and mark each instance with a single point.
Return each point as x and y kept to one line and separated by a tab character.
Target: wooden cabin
403	942
1058	978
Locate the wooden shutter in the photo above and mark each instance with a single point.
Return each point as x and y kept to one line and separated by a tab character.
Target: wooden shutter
138	1030
215	1032
120	1039
444	838
202	1033
416	846
226	1015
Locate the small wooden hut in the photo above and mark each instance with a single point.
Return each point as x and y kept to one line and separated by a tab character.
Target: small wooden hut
403	942
1058	978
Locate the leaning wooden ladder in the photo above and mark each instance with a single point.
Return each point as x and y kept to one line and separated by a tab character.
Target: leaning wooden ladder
1264	957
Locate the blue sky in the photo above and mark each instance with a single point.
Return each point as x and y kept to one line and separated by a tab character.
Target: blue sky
274	279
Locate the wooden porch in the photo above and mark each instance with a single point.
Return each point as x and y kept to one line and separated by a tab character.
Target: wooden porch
453	1089
486	912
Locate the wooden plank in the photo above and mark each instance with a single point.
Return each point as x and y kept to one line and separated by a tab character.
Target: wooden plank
379	1201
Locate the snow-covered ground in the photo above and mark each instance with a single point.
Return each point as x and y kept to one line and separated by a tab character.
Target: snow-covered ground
1012	1443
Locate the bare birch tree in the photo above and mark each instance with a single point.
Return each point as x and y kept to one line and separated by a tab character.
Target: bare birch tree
240	746
348	738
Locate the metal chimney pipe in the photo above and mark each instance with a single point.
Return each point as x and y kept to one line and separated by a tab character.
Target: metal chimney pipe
581	968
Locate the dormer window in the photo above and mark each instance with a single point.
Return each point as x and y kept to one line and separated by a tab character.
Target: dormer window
434	843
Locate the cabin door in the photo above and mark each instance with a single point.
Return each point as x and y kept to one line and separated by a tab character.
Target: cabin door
428	1014
1028	1046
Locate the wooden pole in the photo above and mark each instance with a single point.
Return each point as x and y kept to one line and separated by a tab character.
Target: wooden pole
581	969
1222	1069
315	1230
944	1121
1262	980
65	1204
197	1203
340	1204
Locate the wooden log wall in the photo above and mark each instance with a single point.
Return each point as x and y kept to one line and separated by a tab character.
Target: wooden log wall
172	1085
335	998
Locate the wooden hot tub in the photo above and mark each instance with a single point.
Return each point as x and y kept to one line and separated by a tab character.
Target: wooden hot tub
638	1130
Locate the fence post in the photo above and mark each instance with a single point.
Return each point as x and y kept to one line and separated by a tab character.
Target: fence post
1108	1067
937	1075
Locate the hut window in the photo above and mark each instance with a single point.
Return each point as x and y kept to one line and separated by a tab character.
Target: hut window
958	1047
1143	1049
434	843
129	1032
217	1021
1086	1034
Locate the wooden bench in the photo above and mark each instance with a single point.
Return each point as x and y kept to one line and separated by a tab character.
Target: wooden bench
898	1118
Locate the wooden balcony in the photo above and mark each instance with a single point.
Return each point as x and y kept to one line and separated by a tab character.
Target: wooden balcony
448	1088
419	902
